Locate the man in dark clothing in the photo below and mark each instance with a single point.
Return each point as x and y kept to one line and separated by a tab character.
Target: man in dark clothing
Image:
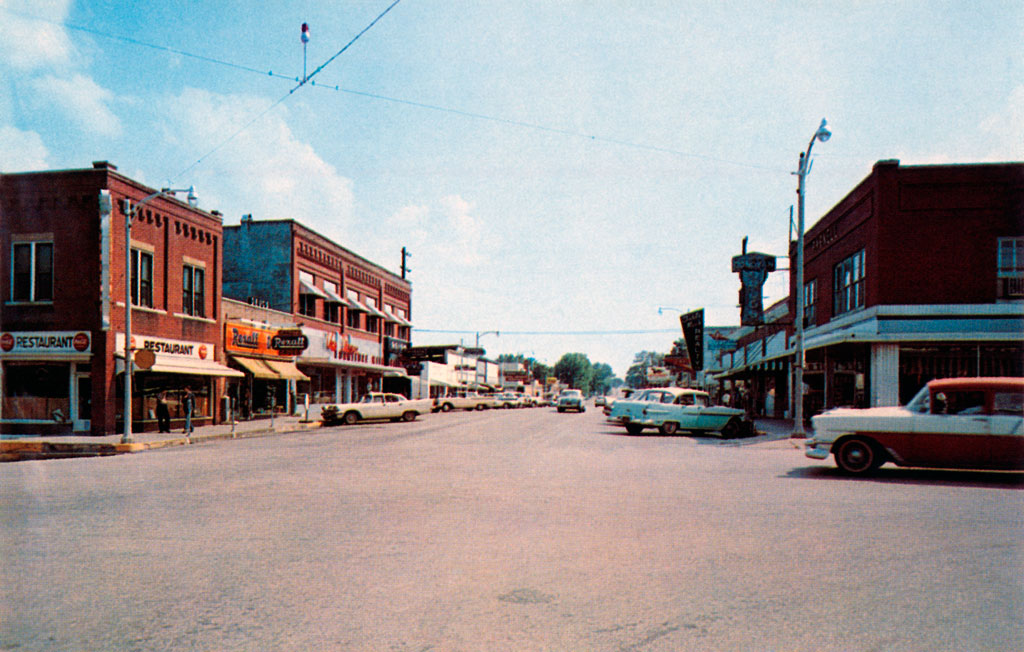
163	413
188	404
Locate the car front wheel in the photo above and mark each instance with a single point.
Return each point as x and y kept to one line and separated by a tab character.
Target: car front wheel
857	456
409	416
634	429
732	429
350	418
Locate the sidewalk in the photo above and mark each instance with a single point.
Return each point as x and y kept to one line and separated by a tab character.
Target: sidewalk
25	447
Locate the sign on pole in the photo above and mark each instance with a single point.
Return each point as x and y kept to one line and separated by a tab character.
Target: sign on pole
693	333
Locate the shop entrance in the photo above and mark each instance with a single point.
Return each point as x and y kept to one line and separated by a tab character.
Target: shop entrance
82	416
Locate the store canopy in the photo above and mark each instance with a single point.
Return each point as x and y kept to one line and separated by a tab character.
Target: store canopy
286	369
391	316
256	367
309	288
186	367
335	298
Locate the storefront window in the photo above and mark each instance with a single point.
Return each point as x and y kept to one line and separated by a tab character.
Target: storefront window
37	391
146	387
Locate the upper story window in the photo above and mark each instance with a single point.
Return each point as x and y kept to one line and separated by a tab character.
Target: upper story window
193	296
32	271
1010	268
848	284
142	278
810	296
307	300
332	309
1011	257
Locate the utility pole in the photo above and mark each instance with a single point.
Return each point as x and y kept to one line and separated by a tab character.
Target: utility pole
405	268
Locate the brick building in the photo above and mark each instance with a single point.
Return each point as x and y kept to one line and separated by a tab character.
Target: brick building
917	273
63	308
354	314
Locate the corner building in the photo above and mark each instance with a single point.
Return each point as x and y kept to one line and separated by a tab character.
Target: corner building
354	314
64	285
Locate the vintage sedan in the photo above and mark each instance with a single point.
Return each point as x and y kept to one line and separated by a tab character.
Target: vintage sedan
570	399
375	406
975	423
670	409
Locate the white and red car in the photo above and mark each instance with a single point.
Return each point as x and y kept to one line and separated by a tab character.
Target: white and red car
975	423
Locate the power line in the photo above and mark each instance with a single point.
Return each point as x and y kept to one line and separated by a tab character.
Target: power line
383	98
289	93
504	332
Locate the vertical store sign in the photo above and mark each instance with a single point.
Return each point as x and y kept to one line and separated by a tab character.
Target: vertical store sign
106	209
693	333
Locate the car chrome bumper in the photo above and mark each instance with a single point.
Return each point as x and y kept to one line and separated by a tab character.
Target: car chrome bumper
818	450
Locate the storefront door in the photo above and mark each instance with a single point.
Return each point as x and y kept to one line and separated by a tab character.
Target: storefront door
82	403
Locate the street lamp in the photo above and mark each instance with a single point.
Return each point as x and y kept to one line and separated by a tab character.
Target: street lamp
479	335
823	135
661	310
130	211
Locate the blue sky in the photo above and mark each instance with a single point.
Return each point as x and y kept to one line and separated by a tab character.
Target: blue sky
584	163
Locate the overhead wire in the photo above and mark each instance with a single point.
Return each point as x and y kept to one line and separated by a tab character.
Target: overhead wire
300	81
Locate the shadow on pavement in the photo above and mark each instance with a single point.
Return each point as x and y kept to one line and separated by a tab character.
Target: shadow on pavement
935	477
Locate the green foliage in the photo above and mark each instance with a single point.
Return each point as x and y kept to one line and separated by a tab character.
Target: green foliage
575	370
604	378
637	375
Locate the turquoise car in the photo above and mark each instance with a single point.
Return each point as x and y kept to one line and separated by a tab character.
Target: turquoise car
671	409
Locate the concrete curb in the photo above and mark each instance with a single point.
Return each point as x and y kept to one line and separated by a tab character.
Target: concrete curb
15	450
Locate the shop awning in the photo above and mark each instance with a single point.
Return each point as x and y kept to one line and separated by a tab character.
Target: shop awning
256	367
391	316
335	298
286	369
308	288
189	367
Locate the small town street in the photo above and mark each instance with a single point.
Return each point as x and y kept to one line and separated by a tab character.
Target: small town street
504	530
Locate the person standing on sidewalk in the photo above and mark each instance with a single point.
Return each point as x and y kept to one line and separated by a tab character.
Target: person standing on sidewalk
188	403
163	413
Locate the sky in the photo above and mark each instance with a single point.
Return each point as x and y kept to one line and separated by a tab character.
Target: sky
558	170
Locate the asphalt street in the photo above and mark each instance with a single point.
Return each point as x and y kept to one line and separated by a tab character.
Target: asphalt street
504	530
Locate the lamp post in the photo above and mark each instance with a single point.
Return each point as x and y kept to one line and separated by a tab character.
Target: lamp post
130	211
823	135
479	335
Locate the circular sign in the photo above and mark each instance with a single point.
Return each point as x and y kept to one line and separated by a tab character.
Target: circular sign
202	352
144	359
81	342
6	342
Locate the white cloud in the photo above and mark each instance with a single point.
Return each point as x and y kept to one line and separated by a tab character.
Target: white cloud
28	43
1007	128
260	168
22	150
82	100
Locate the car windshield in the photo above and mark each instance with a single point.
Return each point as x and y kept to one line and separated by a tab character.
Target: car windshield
921	402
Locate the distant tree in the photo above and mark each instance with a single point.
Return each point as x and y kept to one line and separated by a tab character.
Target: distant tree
603	378
575	370
541	371
637	374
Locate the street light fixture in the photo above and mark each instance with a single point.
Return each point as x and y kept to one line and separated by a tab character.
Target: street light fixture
130	211
822	134
479	335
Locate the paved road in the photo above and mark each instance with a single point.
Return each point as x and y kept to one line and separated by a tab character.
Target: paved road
523	530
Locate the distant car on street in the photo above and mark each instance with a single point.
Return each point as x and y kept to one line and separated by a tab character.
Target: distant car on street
571	399
670	409
463	402
600	400
509	400
375	406
975	423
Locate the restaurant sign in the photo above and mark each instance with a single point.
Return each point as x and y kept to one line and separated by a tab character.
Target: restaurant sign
45	342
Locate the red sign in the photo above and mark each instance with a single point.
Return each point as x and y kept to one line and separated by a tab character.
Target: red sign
81	342
7	342
202	352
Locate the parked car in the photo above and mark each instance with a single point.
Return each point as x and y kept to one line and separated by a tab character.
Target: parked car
463	402
508	400
670	409
975	423
626	394
600	400
375	406
571	399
